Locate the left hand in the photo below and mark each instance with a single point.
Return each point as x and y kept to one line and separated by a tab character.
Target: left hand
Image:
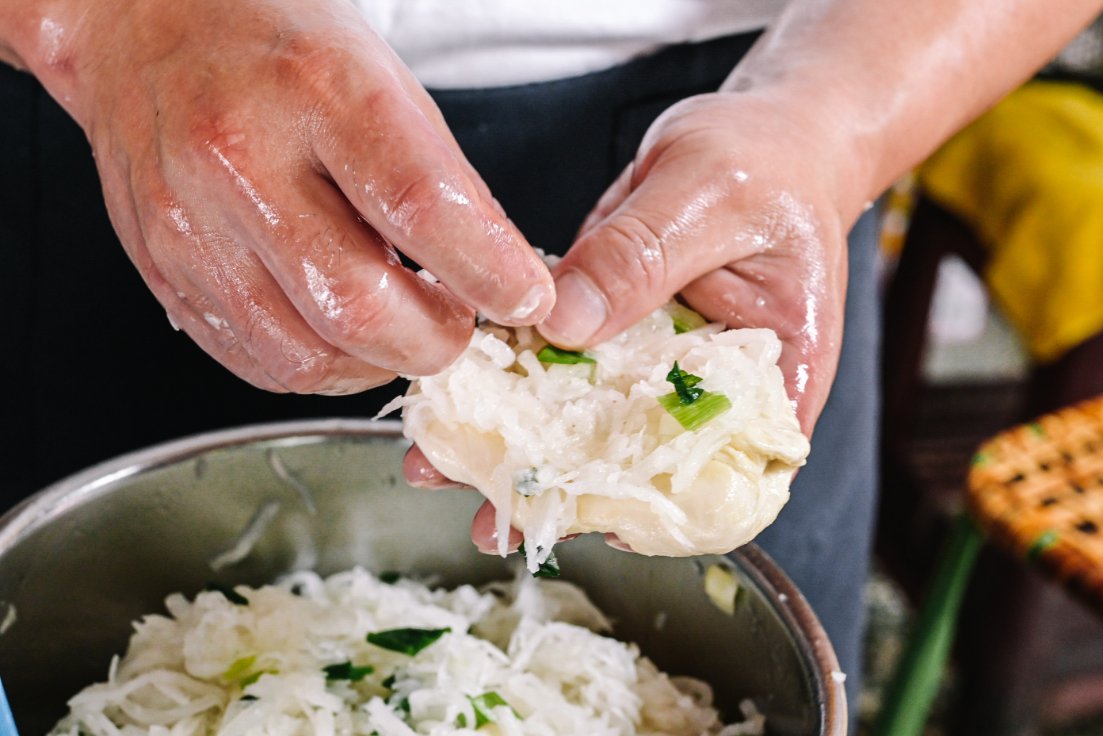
739	205
736	203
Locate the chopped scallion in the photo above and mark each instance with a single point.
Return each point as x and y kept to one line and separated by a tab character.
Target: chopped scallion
484	706
390	577
241	672
552	354
347	671
707	407
405	641
549	568
241	668
684	385
690	405
684	318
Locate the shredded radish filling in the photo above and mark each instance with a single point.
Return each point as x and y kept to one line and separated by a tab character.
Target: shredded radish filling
571	448
297	659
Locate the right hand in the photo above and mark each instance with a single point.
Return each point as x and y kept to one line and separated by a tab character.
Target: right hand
261	160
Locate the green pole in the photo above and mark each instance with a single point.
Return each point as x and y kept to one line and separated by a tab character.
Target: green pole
915	684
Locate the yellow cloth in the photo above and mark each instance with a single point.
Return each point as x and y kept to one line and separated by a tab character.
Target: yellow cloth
1028	177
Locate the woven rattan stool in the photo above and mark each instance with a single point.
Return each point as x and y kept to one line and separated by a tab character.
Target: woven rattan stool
1037	492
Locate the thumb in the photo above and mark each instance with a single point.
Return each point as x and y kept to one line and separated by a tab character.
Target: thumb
664	233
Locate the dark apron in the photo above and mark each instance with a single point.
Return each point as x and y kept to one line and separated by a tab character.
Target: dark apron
92	368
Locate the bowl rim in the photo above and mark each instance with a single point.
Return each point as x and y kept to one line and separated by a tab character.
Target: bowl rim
783	597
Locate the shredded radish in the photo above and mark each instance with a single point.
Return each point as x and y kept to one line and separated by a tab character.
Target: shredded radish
520	658
563	449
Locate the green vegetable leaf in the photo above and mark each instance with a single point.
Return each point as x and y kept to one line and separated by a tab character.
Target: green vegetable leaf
552	354
484	706
684	318
389	682
706	407
241	672
406	641
347	671
250	679
241	668
684	385
549	568
231	595
390	577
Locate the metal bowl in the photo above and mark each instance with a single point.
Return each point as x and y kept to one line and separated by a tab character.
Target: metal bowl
85	557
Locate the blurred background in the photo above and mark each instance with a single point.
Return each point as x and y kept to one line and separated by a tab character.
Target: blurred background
993	279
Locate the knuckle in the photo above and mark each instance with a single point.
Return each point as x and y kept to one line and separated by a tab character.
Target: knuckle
361	319
309	65
636	253
313	375
413	200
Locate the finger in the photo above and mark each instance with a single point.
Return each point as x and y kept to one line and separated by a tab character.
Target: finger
484	532
123	211
666	233
614	541
344	280
811	342
272	332
420	473
218	341
413	186
225	282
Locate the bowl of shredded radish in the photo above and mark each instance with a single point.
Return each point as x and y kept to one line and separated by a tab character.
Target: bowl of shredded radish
283	579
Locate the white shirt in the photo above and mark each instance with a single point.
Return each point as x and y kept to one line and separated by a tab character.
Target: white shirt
483	43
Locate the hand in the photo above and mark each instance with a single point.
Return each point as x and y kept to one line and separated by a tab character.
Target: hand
261	161
735	203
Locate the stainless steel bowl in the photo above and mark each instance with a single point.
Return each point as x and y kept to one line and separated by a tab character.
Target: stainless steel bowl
85	557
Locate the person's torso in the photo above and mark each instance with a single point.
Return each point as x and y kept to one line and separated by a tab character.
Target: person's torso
452	44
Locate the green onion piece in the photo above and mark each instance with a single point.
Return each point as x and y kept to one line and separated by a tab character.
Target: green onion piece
484	706
248	698
461	721
389	682
549	568
705	408
552	354
231	595
684	318
241	672
240	669
684	385
1044	541
390	577
250	679
347	671
405	641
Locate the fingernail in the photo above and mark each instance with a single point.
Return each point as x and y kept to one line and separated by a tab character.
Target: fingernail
536	297
580	310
